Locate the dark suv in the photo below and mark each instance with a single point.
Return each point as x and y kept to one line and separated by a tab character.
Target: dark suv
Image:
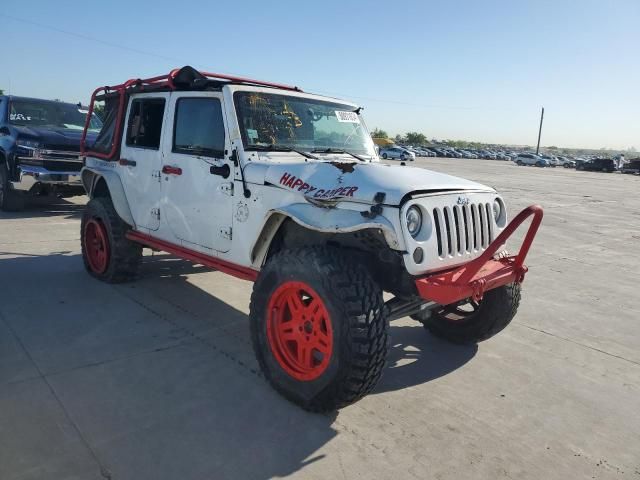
632	167
40	148
598	165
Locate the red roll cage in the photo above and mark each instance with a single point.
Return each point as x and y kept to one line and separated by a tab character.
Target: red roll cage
161	82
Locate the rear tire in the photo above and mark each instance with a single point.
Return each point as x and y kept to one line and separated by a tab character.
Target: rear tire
384	155
107	254
10	200
520	163
319	327
494	312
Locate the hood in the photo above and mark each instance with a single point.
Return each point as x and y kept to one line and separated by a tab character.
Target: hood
356	181
53	137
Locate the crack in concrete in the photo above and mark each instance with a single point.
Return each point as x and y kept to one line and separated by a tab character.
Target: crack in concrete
578	343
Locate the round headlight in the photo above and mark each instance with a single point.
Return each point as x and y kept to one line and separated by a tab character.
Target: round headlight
497	209
414	220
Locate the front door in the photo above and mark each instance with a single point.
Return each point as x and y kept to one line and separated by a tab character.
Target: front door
141	157
197	181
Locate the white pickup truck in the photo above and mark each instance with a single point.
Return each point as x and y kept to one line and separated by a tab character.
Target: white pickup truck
284	188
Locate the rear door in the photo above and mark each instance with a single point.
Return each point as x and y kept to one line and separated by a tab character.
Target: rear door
141	157
197	190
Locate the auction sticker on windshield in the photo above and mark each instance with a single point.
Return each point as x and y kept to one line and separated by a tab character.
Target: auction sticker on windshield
350	117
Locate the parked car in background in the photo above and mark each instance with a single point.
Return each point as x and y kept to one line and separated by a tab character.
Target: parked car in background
632	166
397	153
531	159
598	165
429	153
553	161
566	162
40	148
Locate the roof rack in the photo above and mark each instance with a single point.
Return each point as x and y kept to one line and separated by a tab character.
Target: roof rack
169	82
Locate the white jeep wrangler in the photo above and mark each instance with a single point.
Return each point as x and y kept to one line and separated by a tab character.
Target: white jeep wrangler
284	188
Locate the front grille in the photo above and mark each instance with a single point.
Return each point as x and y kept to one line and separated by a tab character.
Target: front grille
462	229
53	165
62	147
59	155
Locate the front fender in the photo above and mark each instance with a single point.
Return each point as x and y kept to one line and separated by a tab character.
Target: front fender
324	220
91	176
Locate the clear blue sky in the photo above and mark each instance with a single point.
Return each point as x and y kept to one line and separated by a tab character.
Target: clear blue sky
474	70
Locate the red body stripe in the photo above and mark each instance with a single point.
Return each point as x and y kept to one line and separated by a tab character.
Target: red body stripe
239	271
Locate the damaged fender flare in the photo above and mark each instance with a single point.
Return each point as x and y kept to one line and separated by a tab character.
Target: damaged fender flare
91	177
321	220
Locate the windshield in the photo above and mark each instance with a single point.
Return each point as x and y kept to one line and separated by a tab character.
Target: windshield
33	113
271	121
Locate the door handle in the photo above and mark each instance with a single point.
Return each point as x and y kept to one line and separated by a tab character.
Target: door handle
127	163
223	171
170	170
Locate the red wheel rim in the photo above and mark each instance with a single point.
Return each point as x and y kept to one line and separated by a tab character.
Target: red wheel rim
96	244
299	331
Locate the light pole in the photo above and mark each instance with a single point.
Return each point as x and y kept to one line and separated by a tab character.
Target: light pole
540	131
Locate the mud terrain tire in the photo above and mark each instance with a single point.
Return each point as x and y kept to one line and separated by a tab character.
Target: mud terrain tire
107	254
10	200
494	312
340	304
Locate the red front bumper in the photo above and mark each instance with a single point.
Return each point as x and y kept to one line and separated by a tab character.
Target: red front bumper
484	273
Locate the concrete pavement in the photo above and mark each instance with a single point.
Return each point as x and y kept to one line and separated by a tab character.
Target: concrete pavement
157	379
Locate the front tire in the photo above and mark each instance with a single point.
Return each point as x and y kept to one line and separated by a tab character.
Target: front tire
10	200
107	254
474	322
319	327
384	155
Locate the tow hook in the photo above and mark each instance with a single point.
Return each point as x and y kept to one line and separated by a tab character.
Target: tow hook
478	290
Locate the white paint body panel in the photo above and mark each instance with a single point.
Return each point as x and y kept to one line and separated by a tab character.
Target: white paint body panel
327	195
142	183
194	205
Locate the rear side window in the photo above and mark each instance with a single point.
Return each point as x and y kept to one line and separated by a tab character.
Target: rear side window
145	123
198	127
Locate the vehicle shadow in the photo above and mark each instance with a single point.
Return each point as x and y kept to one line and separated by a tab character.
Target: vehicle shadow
415	356
195	406
36	207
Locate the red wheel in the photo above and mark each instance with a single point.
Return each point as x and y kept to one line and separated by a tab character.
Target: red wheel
96	242
319	327
299	331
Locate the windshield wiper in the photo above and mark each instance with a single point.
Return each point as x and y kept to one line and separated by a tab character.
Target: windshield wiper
280	148
338	150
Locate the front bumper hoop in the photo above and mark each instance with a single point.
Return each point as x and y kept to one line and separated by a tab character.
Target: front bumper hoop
486	272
